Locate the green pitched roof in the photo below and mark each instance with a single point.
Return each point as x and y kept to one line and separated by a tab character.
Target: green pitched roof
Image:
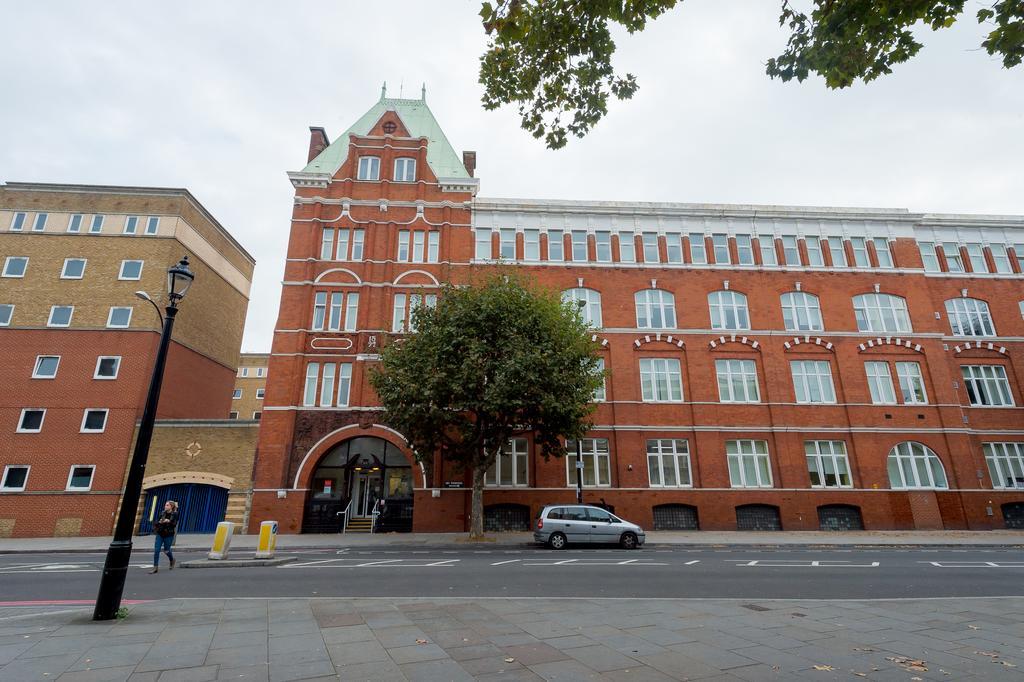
418	120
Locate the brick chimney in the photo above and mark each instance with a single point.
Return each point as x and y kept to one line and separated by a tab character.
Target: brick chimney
469	161
317	142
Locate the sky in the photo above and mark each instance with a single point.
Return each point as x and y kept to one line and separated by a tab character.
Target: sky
218	97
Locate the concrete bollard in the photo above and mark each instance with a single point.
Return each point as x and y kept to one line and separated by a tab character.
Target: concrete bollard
222	540
267	541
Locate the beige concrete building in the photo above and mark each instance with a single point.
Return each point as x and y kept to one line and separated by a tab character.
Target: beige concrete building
250	385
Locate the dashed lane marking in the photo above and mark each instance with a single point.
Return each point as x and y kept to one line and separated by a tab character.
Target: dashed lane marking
974	564
793	563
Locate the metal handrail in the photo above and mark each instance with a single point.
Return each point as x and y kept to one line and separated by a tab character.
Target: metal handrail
344	524
374	514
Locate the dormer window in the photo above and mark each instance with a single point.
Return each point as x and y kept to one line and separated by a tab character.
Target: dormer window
405	170
369	168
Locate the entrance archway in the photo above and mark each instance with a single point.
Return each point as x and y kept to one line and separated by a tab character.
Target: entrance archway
200	506
358	476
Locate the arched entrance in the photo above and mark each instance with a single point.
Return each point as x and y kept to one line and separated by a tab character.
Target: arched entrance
361	475
200	506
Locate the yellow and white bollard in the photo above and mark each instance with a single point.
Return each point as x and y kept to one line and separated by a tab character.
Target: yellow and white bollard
267	541
222	540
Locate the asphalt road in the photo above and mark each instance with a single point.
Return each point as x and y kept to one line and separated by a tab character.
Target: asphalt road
659	572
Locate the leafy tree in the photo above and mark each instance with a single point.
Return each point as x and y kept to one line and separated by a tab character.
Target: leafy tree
553	57
491	360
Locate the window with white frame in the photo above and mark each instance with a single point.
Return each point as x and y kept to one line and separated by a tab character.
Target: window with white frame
911	383
507	243
60	316
18	222
728	310
556	245
744	249
1005	464
812	381
357	245
433	246
929	258
341	251
749	466
881	313
152	224
15	266
344	383
720	244
674	248
969	317
801	312
655	309
94	421
131	270
883	253
404	311
405	169
531	245
483	244
951	252
257	415
627	247
1001	258
827	464
46	367
327	384
369	168
596	462
96	226
698	248
418	242
232	415
589	303
660	380
768	254
236	394
6	313
976	255
880	383
327	244
600	393
351	311
80	477
915	466
790	249
579	246
319	310
40	222
243	371
261	371
603	246
860	252
74	268
510	467
260	393
837	251
987	385
31	420
120	317
107	367
15	478
650	244
334	311
312	378
668	463
131	224
737	381
75	223
1018	250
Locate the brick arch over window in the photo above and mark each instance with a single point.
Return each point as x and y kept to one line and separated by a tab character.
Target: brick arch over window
323	278
416	277
735	338
656	338
304	472
890	341
808	340
978	345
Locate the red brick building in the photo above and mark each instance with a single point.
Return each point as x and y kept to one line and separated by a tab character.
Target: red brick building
768	366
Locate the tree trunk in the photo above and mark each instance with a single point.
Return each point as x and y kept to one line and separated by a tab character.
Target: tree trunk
476	511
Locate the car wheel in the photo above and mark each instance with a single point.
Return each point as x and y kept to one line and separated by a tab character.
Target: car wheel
557	541
628	541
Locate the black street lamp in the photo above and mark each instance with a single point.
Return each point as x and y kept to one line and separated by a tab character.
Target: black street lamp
119	554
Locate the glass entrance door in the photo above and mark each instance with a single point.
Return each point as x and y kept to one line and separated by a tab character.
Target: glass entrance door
365	491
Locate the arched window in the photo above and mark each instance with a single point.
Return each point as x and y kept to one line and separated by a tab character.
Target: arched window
881	313
969	317
912	465
655	309
728	310
801	312
589	302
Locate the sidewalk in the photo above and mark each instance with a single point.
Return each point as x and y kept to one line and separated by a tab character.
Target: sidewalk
277	640
1001	538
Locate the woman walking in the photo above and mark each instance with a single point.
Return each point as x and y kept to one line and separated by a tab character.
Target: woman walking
163	531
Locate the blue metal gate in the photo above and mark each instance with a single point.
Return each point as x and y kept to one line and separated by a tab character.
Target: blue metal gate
200	507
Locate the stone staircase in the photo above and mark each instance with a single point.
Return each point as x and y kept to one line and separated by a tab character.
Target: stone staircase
359	525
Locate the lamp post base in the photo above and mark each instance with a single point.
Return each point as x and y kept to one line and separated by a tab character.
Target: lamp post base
115	570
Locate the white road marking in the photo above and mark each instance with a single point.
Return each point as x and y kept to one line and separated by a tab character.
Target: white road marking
445	562
382	562
974	564
628	561
794	563
691	563
502	563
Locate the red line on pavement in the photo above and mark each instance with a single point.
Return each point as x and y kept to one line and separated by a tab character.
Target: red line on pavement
66	602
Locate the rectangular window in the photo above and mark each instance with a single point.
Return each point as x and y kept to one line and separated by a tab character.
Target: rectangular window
403	246
351	312
860	252
827	464
415	303
976	254
1018	250
812	380
768	253
405	169
837	251
260	393
327	385
1005	464
15	266
60	316
80	478
74	268
720	242
600	395
261	371
131	224
674	248
650	243
107	367
510	466
94	421
327	244
556	245
418	238
929	259
40	223
46	366
75	223
668	463
883	253
319	310
344	383
309	392
880	383
119	317
603	242
579	246
748	463
31	420
398	314
911	383
698	249
434	247
660	380
130	270
507	243
256	416
531	245
15	478
342	252
744	249
357	244
334	314
236	394
18	222
987	385
737	381
6	313
814	256
1001	258
369	168
951	252
96	225
596	462
232	415
152	225
627	247
243	372
483	244
790	249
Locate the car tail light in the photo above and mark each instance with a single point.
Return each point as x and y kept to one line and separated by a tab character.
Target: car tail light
540	524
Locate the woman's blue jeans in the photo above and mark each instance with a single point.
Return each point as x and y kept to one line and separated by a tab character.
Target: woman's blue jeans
162	544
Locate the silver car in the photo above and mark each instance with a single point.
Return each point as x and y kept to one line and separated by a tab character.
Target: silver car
561	524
